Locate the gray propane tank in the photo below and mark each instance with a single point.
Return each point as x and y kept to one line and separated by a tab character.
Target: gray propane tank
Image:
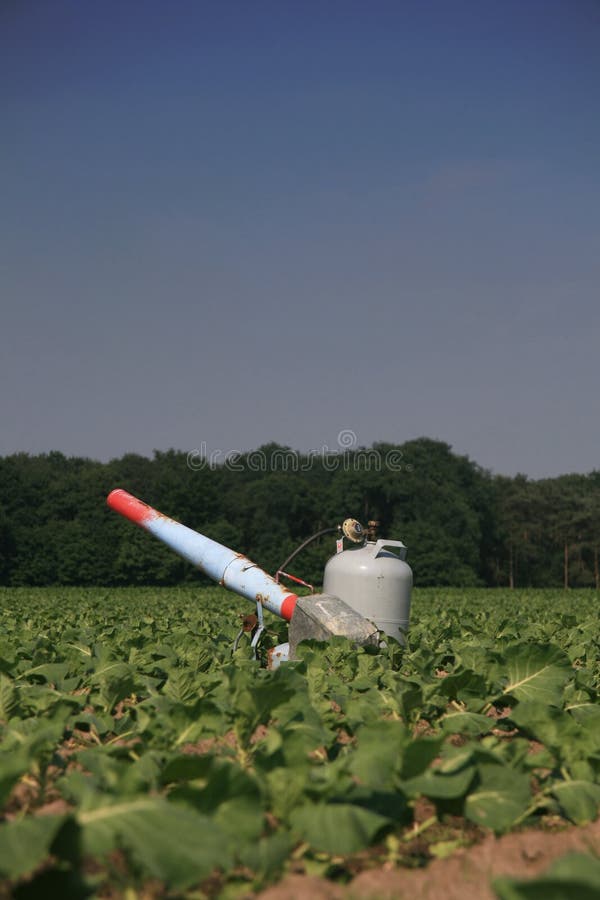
374	582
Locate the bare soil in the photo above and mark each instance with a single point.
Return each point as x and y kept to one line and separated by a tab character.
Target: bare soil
466	875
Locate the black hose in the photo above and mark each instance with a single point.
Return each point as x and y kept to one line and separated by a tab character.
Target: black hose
304	544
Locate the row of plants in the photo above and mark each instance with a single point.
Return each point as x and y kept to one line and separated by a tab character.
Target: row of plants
137	751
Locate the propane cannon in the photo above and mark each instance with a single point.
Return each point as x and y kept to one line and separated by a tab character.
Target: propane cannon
366	588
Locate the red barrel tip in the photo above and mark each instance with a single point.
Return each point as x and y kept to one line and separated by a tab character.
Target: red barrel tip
288	606
129	506
113	497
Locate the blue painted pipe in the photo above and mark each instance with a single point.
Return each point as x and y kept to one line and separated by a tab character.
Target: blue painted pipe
233	570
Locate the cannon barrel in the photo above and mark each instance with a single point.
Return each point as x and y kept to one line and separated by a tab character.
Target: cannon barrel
230	569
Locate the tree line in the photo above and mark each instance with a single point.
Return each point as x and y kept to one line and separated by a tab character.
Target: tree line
463	526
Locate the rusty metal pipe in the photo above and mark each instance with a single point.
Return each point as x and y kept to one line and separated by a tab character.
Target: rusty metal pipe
233	570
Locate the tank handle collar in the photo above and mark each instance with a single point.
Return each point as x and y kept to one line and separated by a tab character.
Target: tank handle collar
379	545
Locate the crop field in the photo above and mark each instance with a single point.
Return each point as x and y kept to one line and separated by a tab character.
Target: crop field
140	759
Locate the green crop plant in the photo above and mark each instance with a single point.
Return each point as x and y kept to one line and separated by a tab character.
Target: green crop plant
136	749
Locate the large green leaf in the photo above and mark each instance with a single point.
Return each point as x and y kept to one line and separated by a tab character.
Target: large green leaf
579	800
268	855
301	737
186	768
574	877
536	672
9	697
408	695
231	796
50	672
462	685
466	723
500	799
286	787
378	753
338	827
548	724
177	845
12	767
450	780
568	739
587	713
114	681
419	754
182	686
25	843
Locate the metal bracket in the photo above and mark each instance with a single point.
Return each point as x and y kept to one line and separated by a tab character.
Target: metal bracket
256	632
301	581
259	629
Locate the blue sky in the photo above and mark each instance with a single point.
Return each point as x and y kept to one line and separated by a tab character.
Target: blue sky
229	223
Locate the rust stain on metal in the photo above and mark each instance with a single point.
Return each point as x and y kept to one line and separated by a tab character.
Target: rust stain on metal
273	654
160	515
244	558
260	598
249	622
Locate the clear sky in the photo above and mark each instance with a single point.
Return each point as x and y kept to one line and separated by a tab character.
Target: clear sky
226	223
